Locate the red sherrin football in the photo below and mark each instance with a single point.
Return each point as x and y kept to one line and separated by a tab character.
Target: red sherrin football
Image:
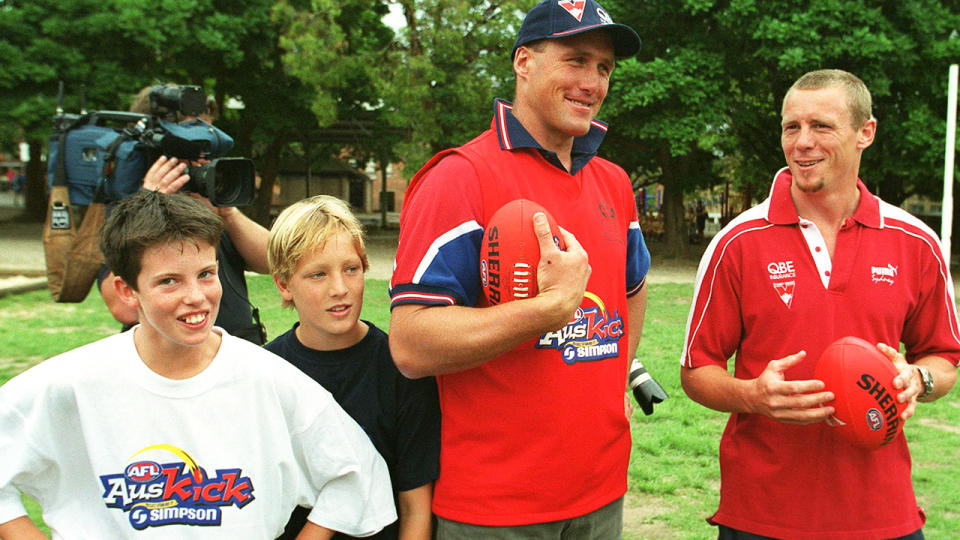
510	252
861	379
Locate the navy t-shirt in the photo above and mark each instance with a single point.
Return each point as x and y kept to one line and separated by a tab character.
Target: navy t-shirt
401	416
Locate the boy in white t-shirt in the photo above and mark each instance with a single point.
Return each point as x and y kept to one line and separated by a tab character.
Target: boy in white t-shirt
177	429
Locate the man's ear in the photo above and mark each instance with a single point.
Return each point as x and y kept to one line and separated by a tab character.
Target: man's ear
521	62
284	290
867	132
126	293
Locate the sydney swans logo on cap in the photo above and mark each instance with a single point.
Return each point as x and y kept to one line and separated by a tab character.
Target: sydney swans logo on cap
604	16
573	7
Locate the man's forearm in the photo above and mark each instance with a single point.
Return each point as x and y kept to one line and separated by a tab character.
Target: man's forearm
714	388
944	375
249	237
432	340
413	508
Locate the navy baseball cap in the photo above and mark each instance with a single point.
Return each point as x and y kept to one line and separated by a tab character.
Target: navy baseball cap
552	19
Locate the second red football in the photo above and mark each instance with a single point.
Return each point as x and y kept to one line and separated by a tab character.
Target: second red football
861	379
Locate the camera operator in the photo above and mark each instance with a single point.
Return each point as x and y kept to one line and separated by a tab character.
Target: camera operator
243	245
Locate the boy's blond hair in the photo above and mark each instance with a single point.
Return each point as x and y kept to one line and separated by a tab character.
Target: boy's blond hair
305	226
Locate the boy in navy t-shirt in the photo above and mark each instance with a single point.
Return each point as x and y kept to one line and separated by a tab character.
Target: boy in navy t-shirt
317	257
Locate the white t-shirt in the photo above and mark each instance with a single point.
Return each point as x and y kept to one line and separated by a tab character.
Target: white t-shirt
111	449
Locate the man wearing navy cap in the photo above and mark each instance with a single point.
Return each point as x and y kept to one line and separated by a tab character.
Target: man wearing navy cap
535	439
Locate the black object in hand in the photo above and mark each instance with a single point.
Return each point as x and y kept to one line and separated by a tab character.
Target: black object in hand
646	389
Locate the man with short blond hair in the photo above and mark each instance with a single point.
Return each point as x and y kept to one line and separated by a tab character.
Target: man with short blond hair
780	283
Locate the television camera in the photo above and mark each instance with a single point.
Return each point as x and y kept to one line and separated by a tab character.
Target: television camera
103	155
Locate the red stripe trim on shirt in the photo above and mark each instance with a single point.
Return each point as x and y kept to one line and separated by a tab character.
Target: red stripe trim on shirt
502	109
423	297
934	247
715	262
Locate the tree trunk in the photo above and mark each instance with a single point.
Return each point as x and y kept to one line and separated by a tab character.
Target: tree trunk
676	242
383	191
35	192
260	210
413	33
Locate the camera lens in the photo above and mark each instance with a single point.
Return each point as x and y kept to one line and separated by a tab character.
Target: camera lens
231	182
226	191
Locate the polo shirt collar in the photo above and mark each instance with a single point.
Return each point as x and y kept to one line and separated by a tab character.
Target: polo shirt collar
782	211
512	136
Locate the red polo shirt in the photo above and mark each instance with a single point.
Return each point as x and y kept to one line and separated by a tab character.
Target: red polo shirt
537	434
767	288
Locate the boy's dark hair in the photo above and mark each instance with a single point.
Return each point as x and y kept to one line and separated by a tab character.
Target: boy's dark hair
149	218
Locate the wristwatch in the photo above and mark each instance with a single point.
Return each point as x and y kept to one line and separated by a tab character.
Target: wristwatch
927	381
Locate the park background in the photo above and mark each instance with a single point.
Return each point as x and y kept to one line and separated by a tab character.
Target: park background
350	97
673	477
375	87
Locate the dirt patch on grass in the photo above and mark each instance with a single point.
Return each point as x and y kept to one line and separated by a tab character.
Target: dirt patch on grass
639	518
939	424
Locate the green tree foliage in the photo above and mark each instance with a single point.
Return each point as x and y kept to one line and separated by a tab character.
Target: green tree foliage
46	41
440	77
115	47
434	80
330	46
698	106
333	48
667	107
902	51
701	103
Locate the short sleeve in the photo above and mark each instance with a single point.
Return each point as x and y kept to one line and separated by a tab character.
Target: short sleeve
438	253
638	259
17	462
29	419
348	477
931	325
418	433
714	324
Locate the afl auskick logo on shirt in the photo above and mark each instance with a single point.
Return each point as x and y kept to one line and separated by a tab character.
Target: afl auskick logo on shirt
783	275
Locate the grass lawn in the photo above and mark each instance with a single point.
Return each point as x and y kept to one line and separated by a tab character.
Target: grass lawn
673	477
